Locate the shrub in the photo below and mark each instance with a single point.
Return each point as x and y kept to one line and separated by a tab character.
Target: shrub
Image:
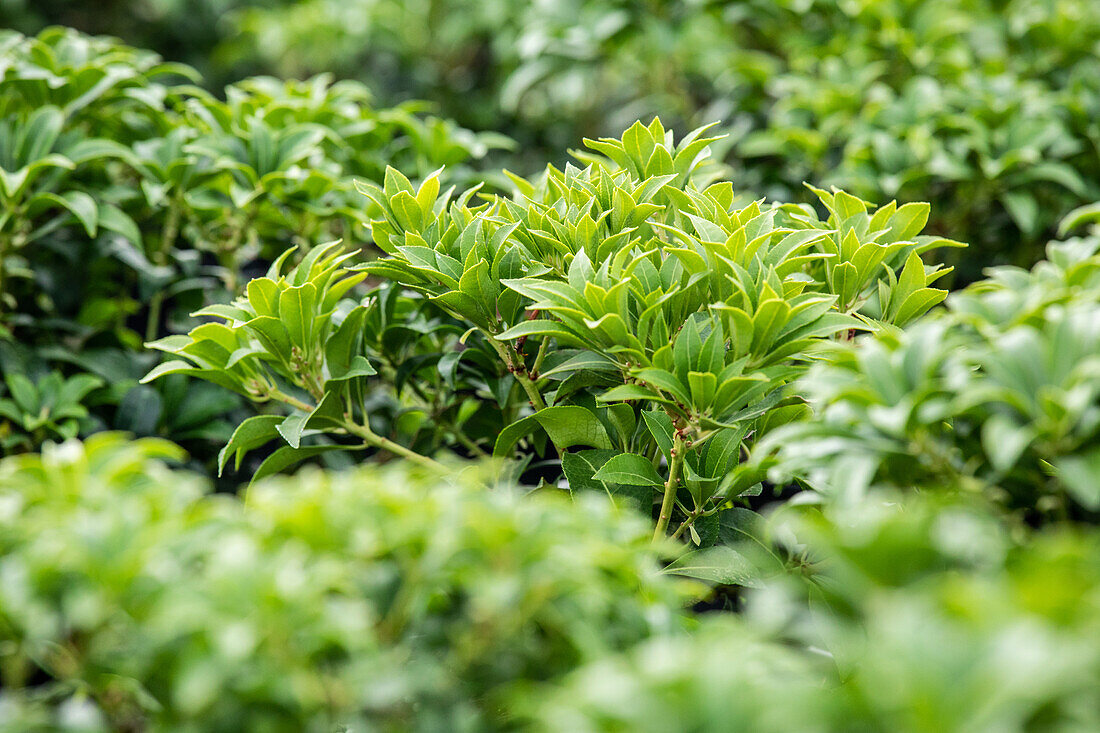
641	310
391	599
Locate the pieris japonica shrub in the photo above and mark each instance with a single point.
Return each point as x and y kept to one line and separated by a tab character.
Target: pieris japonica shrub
633	323
380	599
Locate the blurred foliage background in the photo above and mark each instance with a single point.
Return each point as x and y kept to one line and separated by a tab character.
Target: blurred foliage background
986	108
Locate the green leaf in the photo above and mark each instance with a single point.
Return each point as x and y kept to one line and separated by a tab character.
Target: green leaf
250	434
580	467
743	528
845	283
296	312
463	306
79	204
512	433
630	469
703	387
540	327
341	345
25	395
639	144
621	416
847	205
911	279
263	296
686	348
476	283
661	428
359	367
918	304
1024	210
221	310
272	334
579	362
665	381
627	392
908	221
113	219
1089	213
567	426
570	425
292	426
77	387
182	367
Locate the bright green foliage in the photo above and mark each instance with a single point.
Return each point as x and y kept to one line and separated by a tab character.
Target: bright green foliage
625	284
916	617
284	322
631	324
998	393
70	105
273	164
880	247
98	81
983	108
377	599
280	340
296	339
194	413
641	315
